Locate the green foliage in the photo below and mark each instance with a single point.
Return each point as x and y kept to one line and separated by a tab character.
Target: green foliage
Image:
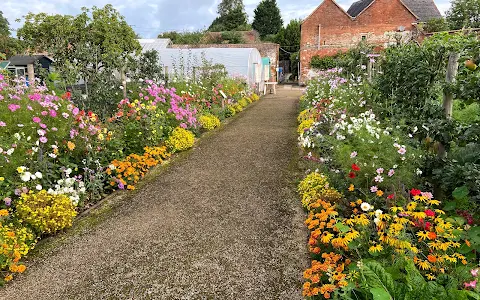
267	19
146	66
184	38
4	25
323	62
289	38
227	6
436	25
464	14
232	37
90	46
233	20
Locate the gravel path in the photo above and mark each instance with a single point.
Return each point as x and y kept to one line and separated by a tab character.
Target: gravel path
224	223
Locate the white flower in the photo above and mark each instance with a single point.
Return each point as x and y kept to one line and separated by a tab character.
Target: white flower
419	172
39	187
33	177
25	176
376	221
378	178
17	136
68	171
38	175
10	151
52	155
378	212
365	206
112	166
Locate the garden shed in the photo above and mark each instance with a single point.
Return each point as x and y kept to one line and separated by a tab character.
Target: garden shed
245	62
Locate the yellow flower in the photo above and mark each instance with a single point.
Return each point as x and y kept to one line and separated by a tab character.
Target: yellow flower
377	248
71	145
351	188
359	201
430	276
8	277
2	178
411	206
3	212
21	169
379	193
433	202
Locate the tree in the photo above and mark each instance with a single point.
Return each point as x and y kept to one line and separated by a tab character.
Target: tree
232	16
289	39
8	45
4	25
267	19
146	66
90	46
464	14
436	25
227	6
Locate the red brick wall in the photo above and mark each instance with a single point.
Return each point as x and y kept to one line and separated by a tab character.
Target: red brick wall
339	32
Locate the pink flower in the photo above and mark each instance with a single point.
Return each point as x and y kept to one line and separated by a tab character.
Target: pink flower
43	126
75	111
29	107
44	113
391	172
474	272
374	189
183	125
378	178
13	107
402	151
43	139
65	115
36	119
353	154
54	129
472	284
3	124
53	113
380	170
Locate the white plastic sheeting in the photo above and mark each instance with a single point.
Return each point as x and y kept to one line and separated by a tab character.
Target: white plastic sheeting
154	44
245	62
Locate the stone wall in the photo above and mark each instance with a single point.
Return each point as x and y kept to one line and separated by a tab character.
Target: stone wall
329	29
270	50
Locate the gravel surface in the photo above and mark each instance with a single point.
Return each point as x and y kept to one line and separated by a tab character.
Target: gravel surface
224	223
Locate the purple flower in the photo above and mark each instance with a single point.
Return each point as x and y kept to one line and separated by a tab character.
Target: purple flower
18	192
121	186
7	201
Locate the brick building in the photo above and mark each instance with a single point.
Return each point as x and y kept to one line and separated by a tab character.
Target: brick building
330	29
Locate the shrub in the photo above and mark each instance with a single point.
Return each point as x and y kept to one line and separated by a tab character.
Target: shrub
243	102
209	122
46	213
180	140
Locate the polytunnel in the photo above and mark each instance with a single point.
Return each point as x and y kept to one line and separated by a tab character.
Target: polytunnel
244	62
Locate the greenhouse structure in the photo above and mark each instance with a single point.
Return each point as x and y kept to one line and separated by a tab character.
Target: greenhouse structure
243	62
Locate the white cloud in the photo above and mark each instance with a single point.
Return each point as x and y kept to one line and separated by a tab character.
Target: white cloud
149	18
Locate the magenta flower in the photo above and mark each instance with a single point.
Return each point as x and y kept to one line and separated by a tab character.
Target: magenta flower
43	125
13	107
43	140
75	111
472	284
53	113
36	119
474	272
3	124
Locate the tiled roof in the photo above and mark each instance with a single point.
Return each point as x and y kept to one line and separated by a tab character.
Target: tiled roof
423	9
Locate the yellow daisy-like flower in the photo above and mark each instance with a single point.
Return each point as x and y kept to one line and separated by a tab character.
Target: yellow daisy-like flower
379	193
411	206
351	188
2	178
433	202
430	276
377	248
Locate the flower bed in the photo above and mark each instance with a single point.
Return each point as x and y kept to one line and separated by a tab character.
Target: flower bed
373	233
57	160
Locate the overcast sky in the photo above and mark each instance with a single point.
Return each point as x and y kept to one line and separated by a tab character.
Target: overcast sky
150	17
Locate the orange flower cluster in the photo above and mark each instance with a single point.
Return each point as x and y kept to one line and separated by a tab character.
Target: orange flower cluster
330	266
134	167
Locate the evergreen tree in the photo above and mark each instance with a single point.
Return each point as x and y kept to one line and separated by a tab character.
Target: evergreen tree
267	19
232	16
464	13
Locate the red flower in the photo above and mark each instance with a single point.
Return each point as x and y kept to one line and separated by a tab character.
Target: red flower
391	196
355	167
427	226
430	213
352	175
415	192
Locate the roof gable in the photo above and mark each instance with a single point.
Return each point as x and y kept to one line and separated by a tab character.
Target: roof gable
325	2
423	10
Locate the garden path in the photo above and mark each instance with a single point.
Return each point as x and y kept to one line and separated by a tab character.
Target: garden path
224	223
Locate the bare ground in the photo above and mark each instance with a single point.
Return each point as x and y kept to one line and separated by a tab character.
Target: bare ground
224	223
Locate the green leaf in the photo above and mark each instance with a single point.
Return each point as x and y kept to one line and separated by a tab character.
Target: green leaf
342	227
380	294
473	295
449	206
460	193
